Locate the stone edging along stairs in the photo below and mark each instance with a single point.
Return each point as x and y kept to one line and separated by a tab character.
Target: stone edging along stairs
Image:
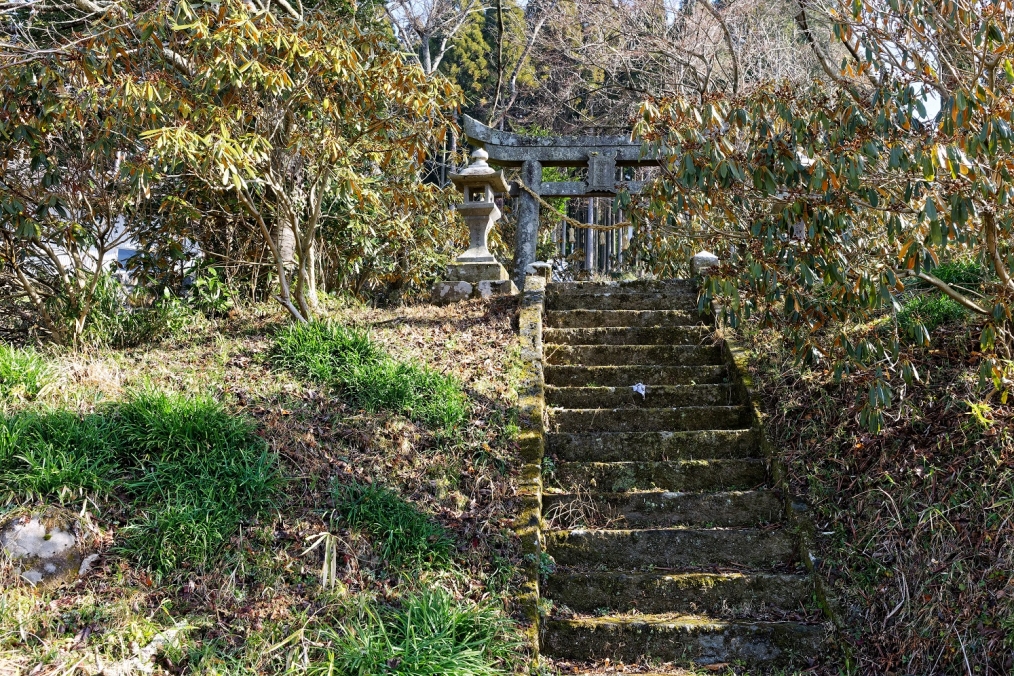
653	512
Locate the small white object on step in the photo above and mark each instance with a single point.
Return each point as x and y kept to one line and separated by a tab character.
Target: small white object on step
640	389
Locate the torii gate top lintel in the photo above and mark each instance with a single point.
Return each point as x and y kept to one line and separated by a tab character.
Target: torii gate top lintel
508	149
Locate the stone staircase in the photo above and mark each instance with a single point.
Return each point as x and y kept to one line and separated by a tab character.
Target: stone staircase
668	539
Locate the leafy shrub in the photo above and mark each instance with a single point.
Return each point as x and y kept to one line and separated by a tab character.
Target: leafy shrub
191	471
430	634
56	453
121	319
369	378
929	311
210	293
23	372
401	535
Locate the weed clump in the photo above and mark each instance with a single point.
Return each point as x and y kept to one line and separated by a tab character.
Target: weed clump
368	377
929	312
429	634
197	470
120	318
401	535
23	372
189	471
56	454
968	273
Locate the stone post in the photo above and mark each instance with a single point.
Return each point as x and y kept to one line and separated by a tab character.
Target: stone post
701	262
528	220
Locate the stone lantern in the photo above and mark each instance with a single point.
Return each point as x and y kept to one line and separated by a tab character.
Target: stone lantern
476	272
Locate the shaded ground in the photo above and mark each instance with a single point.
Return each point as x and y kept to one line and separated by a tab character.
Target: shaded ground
262	607
915	525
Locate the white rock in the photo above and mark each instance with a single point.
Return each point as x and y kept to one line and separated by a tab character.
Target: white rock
702	261
22	540
87	564
44	553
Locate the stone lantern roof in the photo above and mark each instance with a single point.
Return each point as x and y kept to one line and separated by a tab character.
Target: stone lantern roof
479	173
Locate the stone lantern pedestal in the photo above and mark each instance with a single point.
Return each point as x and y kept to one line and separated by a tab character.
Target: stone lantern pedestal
476	273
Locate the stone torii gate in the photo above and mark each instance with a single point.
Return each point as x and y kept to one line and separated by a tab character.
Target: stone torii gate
601	155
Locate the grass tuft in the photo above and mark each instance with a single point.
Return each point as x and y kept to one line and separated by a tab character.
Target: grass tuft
119	318
325	351
190	471
970	274
23	372
55	454
930	311
199	470
430	634
401	535
368	377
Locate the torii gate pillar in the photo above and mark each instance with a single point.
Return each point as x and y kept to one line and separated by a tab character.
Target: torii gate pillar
528	221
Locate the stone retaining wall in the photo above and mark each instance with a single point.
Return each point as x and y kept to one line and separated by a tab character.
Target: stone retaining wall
531	409
738	360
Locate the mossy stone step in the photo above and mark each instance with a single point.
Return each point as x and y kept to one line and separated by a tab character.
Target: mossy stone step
671	548
628	355
719	594
632	286
623	300
628	335
667	475
686	640
626	376
665	445
572	319
661	509
647	419
655	396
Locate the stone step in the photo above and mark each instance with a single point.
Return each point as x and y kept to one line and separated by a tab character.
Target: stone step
573	319
663	509
687	640
668	475
582	420
655	396
629	335
620	446
629	355
722	594
622	300
671	548
625	376
632	286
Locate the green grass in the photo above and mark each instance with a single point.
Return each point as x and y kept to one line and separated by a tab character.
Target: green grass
369	378
429	634
119	319
189	471
401	535
55	454
23	372
198	470
929	311
969	274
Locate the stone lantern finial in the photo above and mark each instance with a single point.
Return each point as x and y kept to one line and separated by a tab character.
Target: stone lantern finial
479	157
